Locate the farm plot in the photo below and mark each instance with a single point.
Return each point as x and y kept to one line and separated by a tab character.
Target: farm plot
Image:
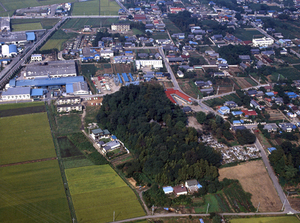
121	68
289	73
92	7
24	138
255	180
27	26
278	219
79	23
171	26
220	101
68	123
33	192
96	188
242	82
275	115
20	105
57	40
22	111
32	24
246	34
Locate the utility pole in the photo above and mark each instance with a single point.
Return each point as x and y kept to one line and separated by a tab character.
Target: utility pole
233	87
283	205
152	209
218	89
207	208
257	207
114	216
278	77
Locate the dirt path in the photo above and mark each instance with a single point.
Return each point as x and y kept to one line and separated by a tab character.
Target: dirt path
83	116
29	161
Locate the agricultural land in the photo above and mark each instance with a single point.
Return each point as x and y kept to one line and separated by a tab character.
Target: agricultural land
95	7
279	219
255	180
96	188
78	24
32	24
31	184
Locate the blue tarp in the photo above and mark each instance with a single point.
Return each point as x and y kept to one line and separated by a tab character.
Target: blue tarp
271	149
69	88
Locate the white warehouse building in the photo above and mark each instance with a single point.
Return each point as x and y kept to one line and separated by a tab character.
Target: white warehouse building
16	93
152	63
262	42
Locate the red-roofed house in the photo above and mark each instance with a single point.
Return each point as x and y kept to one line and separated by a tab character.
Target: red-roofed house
180	190
171	93
176	9
249	112
139	18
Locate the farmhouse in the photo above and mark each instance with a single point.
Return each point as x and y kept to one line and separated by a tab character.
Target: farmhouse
180	190
287	127
192	185
16	93
271	127
111	146
99	133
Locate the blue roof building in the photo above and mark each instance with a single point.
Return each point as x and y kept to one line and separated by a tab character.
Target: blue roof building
236	122
69	88
30	36
168	190
37	92
43	82
271	149
224	110
236	113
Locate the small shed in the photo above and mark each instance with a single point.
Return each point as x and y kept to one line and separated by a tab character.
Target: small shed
168	190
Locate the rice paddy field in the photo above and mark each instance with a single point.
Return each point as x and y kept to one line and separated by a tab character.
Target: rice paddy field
97	191
79	23
57	40
24	138
32	24
279	219
96	7
11	5
33	192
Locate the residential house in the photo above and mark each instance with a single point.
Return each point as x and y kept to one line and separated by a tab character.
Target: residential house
255	105
224	110
271	127
252	92
245	58
180	190
248	113
192	185
240	127
287	127
230	104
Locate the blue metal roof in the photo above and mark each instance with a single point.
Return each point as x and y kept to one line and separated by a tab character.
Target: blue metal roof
12	48
114	137
125	77
236	122
69	88
271	149
30	36
46	81
37	92
131	77
168	189
120	79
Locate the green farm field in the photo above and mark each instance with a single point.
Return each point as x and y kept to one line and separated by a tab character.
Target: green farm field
279	219
32	24
24	138
57	40
96	188
33	192
12	5
79	23
20	105
107	7
244	34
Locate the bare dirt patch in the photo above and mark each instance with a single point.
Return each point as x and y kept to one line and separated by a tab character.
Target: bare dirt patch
295	202
192	122
275	115
255	180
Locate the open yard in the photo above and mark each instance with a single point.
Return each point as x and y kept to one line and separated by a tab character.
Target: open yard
97	191
25	137
255	180
92	7
67	124
277	219
33	192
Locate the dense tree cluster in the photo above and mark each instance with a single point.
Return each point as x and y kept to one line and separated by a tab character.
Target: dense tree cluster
183	20
231	53
286	162
154	129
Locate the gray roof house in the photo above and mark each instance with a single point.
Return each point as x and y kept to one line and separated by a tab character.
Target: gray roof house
271	127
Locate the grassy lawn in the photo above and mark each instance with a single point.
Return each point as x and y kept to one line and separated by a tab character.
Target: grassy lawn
20	105
68	123
27	137
213	204
279	219
160	35
95	188
137	31
33	192
91	7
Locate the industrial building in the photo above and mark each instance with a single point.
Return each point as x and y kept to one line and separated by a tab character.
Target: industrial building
152	63
121	27
262	42
52	69
77	88
17	37
16	93
9	50
36	57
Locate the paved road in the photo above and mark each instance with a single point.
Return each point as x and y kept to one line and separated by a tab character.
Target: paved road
19	60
